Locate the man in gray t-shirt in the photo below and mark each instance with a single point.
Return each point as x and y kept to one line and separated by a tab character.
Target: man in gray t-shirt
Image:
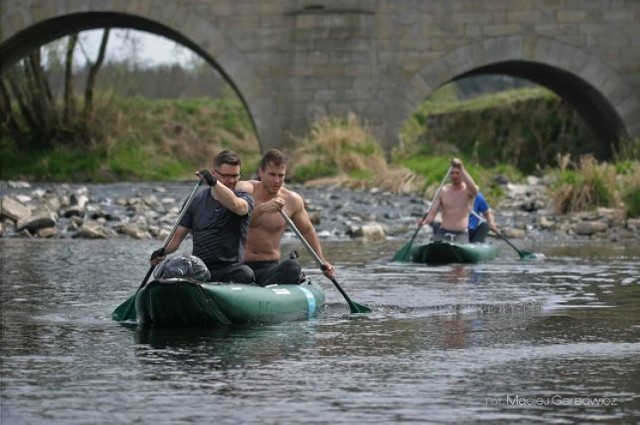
218	219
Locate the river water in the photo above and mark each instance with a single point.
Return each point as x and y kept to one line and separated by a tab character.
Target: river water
545	341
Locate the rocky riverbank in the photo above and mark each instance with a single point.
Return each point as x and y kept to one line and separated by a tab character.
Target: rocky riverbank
149	210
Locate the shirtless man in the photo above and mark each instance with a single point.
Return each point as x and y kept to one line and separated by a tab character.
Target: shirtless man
456	200
266	226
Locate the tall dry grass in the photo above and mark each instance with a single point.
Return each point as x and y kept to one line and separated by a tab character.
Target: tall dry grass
344	150
585	186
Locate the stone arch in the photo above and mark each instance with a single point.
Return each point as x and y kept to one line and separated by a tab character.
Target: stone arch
199	36
606	102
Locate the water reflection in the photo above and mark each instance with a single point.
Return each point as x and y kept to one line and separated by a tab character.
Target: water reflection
222	348
439	343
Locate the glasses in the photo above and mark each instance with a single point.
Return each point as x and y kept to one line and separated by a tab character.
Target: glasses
229	176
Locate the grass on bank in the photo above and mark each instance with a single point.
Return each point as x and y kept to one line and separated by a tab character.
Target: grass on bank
140	139
344	150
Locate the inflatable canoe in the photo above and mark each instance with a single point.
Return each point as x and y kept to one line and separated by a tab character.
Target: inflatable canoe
186	302
449	252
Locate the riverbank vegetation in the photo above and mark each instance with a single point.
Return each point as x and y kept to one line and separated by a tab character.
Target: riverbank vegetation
52	131
139	139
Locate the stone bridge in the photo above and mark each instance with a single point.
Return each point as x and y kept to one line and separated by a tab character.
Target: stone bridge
292	61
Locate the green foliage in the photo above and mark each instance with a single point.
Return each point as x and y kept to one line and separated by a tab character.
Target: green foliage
632	200
140	139
130	161
315	170
525	128
60	165
361	174
627	150
432	168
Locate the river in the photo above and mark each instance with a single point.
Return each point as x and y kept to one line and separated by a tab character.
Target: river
548	341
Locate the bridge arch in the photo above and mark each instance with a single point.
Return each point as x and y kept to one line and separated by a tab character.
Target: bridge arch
605	101
200	36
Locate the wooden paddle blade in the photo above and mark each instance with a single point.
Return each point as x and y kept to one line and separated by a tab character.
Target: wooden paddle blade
126	311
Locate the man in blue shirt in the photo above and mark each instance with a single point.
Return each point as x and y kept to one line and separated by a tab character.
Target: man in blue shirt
479	229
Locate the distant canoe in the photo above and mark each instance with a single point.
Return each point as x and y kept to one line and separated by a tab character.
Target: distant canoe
450	252
186	302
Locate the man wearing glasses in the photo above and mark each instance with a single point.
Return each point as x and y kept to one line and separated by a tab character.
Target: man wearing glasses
218	219
266	226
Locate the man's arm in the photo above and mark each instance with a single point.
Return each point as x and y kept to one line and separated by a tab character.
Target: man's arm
224	195
433	211
301	219
272	206
246	186
491	221
229	199
472	187
173	245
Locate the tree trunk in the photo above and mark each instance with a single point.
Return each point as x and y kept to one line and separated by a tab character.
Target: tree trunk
42	101
20	93
9	121
69	98
91	78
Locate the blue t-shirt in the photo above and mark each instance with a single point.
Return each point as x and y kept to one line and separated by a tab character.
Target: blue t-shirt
219	234
480	206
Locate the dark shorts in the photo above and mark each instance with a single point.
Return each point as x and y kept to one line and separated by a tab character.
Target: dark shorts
443	234
479	234
237	273
272	272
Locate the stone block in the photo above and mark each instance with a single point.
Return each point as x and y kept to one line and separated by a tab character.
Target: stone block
571	16
42	11
12	209
523	17
38	220
617	16
588	228
594	28
369	231
500	30
472	18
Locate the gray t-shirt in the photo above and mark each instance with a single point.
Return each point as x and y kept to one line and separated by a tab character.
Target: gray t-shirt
219	235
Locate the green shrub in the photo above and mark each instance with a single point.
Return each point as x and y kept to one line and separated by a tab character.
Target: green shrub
632	201
314	171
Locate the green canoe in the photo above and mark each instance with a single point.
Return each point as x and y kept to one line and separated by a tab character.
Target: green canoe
449	252
186	302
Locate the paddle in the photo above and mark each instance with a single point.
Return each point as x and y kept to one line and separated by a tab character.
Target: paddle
126	310
404	253
521	253
353	306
